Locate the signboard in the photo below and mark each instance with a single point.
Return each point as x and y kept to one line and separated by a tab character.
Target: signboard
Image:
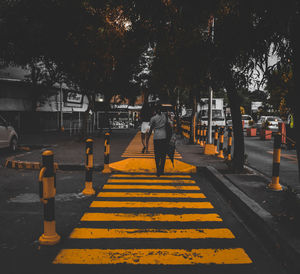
73	99
255	106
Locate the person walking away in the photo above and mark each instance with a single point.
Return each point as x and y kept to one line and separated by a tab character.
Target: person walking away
158	123
145	116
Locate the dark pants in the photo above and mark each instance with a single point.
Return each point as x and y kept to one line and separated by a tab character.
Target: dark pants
160	151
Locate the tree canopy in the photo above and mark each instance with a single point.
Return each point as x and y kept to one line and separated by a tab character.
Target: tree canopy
97	45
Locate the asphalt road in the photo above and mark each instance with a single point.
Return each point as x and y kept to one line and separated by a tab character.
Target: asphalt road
260	157
21	224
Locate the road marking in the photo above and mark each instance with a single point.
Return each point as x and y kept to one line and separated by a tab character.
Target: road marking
151	181
151	194
143	186
153	256
134	149
150	217
126	204
144	156
284	155
149	176
152	187
100	233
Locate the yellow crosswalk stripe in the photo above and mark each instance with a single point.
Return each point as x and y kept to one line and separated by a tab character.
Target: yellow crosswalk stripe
153	256
151	194
150	217
100	233
130	151
151	187
149	176
151	181
145	156
126	204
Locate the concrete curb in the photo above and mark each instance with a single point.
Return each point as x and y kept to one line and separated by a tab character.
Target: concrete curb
37	165
287	250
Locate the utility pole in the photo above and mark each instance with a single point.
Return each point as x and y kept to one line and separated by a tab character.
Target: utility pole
209	148
211	25
61	108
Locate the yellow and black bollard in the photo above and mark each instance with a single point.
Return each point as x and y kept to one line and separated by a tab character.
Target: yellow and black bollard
201	143
198	133
221	141
89	166
204	135
274	185
106	168
216	140
47	189
229	143
194	129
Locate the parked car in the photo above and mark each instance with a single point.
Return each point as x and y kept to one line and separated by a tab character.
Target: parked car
8	135
270	121
246	118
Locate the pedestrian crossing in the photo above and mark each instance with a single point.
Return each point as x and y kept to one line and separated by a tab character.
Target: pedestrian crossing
138	219
134	149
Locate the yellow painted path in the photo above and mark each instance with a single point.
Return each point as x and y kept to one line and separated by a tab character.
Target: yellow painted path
137	162
171	211
134	149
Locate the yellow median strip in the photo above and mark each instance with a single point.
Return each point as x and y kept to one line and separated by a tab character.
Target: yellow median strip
151	187
127	204
153	256
101	233
151	181
150	217
151	195
148	176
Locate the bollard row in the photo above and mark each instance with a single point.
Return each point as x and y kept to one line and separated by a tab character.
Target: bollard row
47	187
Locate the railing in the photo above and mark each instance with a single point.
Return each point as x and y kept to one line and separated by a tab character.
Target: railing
76	127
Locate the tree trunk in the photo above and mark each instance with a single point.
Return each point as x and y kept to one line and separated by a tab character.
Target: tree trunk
193	120
296	76
234	101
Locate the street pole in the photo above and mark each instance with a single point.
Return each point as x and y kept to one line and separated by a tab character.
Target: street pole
210	115
61	108
211	26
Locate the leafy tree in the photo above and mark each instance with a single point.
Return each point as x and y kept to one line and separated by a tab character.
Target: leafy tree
280	82
94	49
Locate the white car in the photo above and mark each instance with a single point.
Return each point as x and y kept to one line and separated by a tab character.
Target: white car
271	120
246	118
8	135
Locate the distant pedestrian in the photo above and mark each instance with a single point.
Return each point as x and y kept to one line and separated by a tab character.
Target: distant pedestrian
145	116
158	123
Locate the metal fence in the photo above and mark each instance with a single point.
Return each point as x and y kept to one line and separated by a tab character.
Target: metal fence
114	120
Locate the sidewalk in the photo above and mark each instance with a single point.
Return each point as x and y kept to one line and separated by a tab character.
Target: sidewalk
69	151
273	216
